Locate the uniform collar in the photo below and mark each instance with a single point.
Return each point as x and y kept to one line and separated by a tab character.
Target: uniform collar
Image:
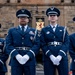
25	27
54	25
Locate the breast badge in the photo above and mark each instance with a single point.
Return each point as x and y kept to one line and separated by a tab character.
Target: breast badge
48	32
60	30
31	32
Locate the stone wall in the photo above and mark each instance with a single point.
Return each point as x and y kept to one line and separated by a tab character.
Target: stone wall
8	18
31	1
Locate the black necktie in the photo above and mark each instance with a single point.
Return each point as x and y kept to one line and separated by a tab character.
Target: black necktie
22	29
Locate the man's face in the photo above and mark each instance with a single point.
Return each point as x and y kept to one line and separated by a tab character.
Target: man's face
52	18
23	20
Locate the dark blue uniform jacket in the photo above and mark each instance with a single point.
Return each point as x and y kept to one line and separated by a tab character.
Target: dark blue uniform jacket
3	57
72	50
48	36
16	38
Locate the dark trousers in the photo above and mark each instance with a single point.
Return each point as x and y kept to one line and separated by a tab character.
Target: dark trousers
50	69
2	73
20	70
73	72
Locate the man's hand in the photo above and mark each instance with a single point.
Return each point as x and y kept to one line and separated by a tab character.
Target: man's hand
52	58
57	60
25	59
22	59
19	58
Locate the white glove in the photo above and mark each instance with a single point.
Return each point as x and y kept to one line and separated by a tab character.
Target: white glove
52	57
59	57
25	59
57	60
19	58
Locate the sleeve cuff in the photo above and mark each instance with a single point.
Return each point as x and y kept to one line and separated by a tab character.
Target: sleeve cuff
47	52
32	52
63	52
12	52
1	62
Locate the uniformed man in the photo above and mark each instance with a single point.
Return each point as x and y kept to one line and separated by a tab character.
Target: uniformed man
3	58
72	51
54	43
22	45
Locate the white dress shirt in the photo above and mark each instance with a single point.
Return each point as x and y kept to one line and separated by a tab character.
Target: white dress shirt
54	27
25	27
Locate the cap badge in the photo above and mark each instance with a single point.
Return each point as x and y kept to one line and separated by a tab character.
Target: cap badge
52	8
22	10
